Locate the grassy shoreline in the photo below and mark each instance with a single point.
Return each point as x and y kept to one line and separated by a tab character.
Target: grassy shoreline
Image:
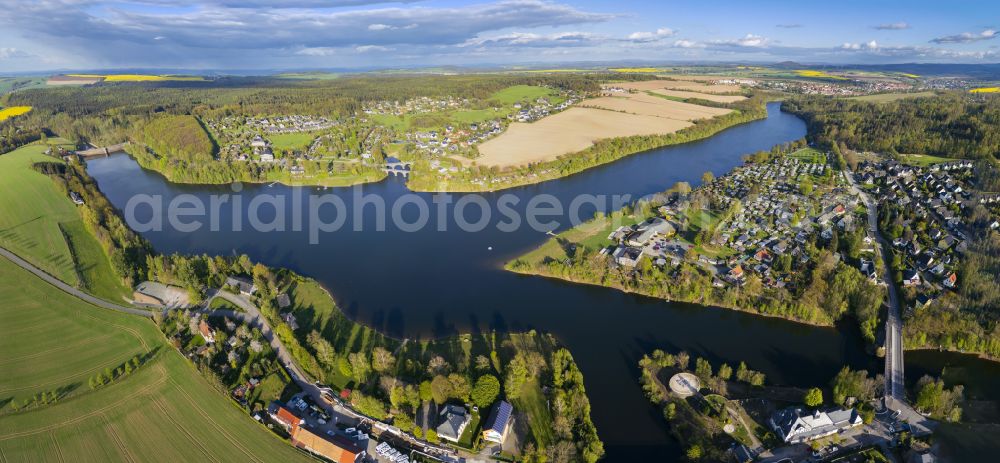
535	272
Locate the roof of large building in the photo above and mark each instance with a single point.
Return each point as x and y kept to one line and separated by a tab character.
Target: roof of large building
337	448
792	423
499	417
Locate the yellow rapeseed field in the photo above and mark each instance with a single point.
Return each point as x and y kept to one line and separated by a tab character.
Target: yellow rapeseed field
985	90
135	77
7	113
817	74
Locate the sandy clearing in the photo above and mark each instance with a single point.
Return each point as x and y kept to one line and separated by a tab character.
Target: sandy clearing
572	130
651	105
704	96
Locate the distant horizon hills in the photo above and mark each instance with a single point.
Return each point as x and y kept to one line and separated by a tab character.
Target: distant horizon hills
978	70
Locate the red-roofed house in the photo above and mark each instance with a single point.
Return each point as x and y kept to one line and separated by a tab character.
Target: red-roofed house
286	419
337	448
206	332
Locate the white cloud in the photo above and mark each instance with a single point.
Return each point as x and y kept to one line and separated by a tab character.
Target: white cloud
371	48
10	53
898	26
871	45
645	36
386	27
528	39
747	41
682	43
317	51
967	37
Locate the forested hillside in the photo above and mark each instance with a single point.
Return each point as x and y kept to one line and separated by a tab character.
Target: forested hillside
949	125
178	138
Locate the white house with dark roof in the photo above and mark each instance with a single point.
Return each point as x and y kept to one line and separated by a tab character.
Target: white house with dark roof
793	426
245	285
454	419
498	423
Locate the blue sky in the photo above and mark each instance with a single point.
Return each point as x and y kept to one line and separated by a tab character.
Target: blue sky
303	34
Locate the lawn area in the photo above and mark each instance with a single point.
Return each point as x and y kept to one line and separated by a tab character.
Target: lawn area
922	160
291	141
516	93
810	155
314	309
163	411
31	209
887	97
222	304
592	234
532	402
472	116
93	264
468	436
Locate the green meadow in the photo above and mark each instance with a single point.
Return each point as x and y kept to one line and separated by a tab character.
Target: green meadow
522	93
291	141
41	224
162	411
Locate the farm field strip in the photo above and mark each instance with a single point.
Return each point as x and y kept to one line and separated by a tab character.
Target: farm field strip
648	105
569	131
704	96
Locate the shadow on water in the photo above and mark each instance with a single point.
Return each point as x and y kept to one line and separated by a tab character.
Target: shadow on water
432	283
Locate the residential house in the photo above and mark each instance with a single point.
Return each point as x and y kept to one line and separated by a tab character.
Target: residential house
285	418
243	284
207	333
454	419
950	281
283	301
498	422
289	319
911	278
76	198
793	426
627	256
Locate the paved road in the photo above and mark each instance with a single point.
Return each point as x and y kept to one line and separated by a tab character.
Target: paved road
71	290
894	379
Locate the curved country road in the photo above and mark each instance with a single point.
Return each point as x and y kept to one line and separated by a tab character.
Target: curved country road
69	289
